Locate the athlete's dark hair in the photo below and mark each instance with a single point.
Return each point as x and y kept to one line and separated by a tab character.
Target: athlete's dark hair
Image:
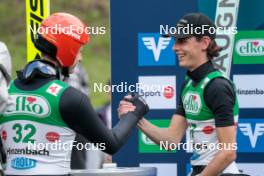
212	50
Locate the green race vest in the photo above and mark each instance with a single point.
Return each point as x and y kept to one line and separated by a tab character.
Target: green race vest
202	131
193	101
35	138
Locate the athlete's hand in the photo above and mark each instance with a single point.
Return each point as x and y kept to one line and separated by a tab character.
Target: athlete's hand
133	103
125	106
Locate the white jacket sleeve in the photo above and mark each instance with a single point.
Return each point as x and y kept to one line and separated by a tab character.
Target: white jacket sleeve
3	92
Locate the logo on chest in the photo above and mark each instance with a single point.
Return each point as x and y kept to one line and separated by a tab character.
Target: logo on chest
192	103
28	104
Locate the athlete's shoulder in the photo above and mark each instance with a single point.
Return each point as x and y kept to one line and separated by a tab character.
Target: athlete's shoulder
71	95
72	91
73	104
220	84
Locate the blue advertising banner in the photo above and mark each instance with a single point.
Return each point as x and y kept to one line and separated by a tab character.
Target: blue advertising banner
154	50
250	135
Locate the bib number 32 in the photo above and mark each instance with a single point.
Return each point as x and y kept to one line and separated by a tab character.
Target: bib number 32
24	133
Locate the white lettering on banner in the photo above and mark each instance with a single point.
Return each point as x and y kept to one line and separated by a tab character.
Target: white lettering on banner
250	90
226	16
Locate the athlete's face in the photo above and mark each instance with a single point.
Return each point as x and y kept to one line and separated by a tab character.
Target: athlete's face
190	52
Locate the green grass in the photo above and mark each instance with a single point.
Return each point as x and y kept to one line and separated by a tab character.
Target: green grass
96	55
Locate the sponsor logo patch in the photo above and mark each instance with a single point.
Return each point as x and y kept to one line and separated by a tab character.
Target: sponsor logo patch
33	105
192	103
54	89
52	136
23	163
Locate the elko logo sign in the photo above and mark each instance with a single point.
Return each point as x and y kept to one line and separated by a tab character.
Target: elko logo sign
250	47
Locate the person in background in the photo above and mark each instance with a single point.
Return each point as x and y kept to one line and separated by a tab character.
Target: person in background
79	79
5	75
5	78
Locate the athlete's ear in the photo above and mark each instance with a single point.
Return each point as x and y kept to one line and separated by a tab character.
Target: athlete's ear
205	42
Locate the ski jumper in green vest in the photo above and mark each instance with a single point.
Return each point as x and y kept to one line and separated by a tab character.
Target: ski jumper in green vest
202	130
33	133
